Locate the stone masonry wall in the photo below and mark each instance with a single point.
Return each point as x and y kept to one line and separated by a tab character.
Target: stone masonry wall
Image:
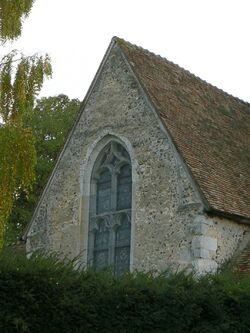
167	210
215	241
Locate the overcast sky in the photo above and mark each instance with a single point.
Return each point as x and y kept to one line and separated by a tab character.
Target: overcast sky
210	38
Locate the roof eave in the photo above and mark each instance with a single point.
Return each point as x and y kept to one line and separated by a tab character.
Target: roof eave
234	217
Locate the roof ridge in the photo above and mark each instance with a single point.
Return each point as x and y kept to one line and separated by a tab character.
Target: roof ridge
121	40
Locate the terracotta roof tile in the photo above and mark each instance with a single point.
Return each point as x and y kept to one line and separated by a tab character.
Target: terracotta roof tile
210	128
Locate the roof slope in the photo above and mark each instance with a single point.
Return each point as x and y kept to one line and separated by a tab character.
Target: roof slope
210	128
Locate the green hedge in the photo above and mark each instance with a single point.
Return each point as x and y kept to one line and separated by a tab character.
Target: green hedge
44	295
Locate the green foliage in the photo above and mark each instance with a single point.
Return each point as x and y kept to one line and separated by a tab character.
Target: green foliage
21	79
11	17
17	158
50	122
45	295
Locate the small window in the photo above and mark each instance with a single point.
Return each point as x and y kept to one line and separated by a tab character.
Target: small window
110	210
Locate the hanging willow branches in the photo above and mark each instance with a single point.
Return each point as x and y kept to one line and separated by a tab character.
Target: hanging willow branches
21	79
18	158
12	13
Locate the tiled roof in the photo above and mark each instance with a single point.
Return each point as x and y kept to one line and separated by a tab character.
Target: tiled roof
210	128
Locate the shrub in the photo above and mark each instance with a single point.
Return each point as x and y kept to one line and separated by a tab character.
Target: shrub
43	294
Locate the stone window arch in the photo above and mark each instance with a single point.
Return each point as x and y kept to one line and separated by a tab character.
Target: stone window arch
109	232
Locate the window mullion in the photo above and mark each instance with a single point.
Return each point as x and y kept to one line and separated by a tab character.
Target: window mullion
93	198
113	191
111	247
113	209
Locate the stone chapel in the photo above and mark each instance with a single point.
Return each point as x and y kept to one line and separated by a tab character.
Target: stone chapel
154	174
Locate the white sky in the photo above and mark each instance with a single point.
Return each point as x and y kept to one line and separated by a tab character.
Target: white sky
210	38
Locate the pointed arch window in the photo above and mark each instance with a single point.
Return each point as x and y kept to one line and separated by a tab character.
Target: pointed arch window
109	234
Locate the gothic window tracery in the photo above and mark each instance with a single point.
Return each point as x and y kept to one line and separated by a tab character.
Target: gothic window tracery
110	210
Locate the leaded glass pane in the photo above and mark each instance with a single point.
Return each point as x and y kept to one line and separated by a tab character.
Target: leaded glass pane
103	195
122	247
124	187
101	247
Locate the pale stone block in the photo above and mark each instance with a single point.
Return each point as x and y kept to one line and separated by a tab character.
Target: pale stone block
204	242
210	243
200	228
196	242
203	266
201	225
200	219
201	253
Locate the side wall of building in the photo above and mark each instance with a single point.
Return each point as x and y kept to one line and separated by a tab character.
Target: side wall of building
215	240
168	227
